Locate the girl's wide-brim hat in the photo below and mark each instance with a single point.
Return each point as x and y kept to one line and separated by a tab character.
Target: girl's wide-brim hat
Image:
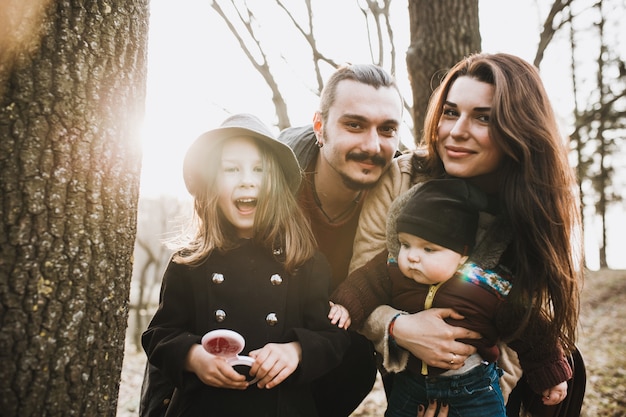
194	165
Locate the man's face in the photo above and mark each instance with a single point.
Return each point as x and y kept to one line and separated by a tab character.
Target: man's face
360	136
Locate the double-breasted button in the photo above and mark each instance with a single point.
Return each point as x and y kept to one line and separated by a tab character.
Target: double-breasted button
220	315
271	319
217	278
276	279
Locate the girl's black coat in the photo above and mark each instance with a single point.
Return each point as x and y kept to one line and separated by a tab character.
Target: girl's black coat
190	299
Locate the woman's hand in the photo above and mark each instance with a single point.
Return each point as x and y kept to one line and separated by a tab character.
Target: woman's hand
339	315
432	409
427	336
213	370
555	395
274	362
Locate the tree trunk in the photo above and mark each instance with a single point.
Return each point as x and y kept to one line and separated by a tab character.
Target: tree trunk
442	33
72	88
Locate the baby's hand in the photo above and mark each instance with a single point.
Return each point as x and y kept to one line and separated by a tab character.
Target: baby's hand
555	395
339	315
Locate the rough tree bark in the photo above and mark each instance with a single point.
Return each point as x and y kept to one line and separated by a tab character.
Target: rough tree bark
72	90
442	32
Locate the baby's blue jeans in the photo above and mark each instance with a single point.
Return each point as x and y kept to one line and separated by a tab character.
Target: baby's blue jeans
475	393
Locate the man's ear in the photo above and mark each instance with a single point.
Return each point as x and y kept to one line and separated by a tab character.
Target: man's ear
317	126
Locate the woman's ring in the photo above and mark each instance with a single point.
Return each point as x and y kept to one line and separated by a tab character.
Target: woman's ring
453	359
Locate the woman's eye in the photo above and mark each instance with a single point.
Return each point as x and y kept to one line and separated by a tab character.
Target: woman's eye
450	112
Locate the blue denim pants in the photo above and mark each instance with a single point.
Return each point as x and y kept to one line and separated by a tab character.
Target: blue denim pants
475	393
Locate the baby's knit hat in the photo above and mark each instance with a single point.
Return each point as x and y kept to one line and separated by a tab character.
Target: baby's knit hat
444	212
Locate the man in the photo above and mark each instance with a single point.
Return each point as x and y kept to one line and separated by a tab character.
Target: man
351	143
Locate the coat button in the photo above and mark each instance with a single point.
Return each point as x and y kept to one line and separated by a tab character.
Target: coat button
271	319
217	278
220	315
276	279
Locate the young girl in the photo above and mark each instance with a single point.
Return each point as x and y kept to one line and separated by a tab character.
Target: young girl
251	267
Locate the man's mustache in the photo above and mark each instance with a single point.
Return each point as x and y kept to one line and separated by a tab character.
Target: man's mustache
362	157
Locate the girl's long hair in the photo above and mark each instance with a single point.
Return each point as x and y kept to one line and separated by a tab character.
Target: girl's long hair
279	224
538	187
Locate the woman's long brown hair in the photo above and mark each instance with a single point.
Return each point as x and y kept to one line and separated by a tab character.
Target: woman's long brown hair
538	187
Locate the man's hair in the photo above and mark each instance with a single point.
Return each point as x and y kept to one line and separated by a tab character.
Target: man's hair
362	73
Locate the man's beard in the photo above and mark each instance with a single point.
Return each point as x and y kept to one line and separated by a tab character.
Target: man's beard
359	157
356	185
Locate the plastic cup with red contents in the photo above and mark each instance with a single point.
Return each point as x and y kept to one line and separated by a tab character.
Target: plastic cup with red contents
228	344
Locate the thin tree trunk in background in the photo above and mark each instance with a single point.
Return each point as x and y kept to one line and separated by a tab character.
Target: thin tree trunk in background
442	33
72	86
603	148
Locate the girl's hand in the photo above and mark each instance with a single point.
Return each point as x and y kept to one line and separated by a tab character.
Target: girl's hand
555	395
213	370
274	362
432	409
339	315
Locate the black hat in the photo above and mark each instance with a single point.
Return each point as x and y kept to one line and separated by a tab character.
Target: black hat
444	212
237	125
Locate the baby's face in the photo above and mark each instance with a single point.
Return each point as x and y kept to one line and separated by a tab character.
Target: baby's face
425	262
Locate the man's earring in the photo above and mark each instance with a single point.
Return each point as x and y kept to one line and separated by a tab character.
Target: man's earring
318	143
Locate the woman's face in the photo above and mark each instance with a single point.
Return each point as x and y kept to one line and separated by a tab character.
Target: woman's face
239	181
464	144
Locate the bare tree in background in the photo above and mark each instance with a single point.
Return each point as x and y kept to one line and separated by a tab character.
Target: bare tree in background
442	33
241	21
159	220
72	81
599	117
576	143
605	129
557	17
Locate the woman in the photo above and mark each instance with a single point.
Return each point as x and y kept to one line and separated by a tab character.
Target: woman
490	122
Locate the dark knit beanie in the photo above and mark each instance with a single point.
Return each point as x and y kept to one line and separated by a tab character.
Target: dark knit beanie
444	212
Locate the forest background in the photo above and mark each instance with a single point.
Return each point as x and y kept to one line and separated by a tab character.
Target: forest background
348	32
86	90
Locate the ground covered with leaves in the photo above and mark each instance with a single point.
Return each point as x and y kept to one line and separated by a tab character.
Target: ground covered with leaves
602	341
